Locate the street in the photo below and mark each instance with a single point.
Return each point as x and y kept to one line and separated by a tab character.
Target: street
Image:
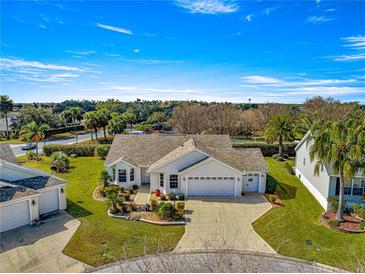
17	148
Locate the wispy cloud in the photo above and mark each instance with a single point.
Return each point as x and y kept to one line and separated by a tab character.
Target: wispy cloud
19	69
357	46
249	17
302	86
136	50
113	28
318	19
81	52
208	6
154	61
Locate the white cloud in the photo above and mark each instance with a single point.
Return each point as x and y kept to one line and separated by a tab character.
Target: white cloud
318	19
136	50
36	71
357	46
113	28
208	6
42	26
249	17
258	79
81	52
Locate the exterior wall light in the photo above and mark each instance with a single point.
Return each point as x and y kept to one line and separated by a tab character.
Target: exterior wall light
62	191
33	202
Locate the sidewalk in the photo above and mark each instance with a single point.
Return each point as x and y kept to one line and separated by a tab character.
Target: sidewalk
143	195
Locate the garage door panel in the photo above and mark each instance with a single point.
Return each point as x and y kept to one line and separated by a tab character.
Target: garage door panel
48	201
211	186
14	215
251	183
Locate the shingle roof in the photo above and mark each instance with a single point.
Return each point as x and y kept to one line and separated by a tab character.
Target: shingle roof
8	193
156	150
6	153
39	182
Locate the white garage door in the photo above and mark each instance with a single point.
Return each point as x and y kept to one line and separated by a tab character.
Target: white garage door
251	182
48	201
211	186
14	215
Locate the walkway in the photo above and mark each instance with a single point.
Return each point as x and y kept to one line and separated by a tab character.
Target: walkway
143	195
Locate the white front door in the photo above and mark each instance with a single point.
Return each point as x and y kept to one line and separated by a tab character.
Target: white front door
145	177
251	182
48	201
211	186
14	215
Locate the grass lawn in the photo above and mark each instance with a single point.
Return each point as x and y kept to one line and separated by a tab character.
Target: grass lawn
124	238
11	141
287	228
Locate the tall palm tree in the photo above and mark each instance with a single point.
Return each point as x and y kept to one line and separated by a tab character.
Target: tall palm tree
91	121
280	128
341	145
6	105
33	132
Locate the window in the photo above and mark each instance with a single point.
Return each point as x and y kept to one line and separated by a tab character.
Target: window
131	175
214	178
225	178
347	188
358	188
231	178
173	181
161	180
122	176
250	180
113	174
220	178
202	178
207	178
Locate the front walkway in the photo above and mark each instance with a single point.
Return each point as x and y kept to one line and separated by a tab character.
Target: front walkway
39	249
224	223
143	195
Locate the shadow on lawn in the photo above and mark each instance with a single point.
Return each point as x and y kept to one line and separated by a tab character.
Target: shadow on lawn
76	210
285	191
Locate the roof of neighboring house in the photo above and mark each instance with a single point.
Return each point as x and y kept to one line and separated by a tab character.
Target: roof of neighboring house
6	153
39	182
8	193
156	150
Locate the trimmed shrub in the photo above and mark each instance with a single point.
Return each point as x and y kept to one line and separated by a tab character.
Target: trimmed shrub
102	151
163	197
271	185
31	155
111	188
180	197
334	223
289	168
59	161
81	150
154	205
127	196
135	187
269	149
180	206
105	178
169	212
171	196
362	225
360	212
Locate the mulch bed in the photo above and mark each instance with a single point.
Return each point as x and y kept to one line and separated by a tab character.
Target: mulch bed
350	223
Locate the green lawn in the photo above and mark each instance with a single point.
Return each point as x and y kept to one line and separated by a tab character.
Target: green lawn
11	141
124	239
287	228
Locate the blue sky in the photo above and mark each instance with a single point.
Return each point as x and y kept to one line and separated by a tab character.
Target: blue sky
210	50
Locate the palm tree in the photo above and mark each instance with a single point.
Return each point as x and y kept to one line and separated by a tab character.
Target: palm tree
33	132
6	105
342	145
280	128
91	122
116	124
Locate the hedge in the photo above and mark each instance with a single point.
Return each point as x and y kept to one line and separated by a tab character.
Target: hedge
269	149
82	150
54	131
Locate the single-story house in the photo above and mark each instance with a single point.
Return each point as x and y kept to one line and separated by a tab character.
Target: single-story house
26	193
195	165
326	184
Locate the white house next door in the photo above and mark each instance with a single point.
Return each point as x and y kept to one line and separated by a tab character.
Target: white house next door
211	186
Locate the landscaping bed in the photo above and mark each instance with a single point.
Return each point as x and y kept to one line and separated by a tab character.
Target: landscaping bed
350	223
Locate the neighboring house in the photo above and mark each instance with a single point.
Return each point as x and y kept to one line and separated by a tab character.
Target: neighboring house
196	165
26	193
326	183
12	118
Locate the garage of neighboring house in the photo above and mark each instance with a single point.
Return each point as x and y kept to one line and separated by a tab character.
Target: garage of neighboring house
48	200
211	186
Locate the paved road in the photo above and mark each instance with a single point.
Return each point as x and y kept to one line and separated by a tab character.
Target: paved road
214	261
57	141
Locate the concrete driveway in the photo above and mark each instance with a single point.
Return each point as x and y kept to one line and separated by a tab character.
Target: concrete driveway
224	223
39	249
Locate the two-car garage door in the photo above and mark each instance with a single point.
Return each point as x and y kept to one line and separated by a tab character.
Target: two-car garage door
14	215
211	186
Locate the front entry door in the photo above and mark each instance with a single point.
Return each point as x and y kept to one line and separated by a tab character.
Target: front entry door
145	177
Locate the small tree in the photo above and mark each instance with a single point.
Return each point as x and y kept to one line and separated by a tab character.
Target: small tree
157	118
105	178
116	124
103	117
91	122
33	132
102	151
112	200
59	161
6	105
280	128
129	118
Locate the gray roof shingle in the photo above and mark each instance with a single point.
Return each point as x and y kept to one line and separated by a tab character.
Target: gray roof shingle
39	182
8	193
